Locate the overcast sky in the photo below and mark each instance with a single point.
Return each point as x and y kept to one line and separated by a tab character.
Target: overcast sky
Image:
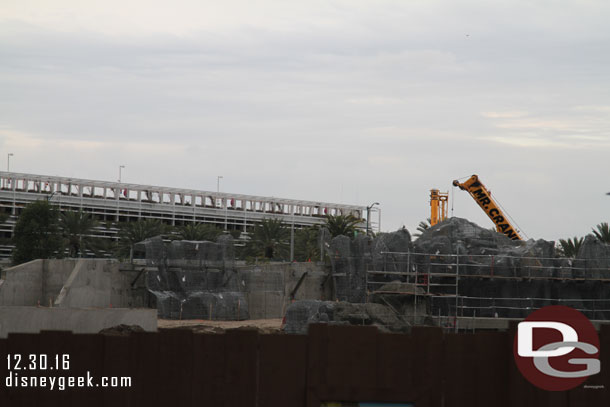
341	101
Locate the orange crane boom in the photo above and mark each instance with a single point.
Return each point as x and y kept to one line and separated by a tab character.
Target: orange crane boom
482	196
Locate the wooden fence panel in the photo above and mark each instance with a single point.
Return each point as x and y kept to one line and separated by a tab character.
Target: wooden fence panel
4	397
144	365
394	367
176	368
427	361
333	363
87	359
346	365
521	392
459	370
57	345
490	351
116	363
241	370
596	389
20	346
317	361
209	362
282	370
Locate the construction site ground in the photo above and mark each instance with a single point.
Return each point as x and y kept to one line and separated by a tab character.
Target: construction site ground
206	326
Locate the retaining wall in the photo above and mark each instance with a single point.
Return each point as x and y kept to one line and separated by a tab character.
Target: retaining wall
54	274
22	285
268	287
96	283
72	283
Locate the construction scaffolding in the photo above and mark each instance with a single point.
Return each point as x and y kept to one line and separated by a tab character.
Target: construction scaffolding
456	286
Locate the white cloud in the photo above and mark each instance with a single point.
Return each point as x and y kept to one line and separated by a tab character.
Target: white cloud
504	115
600	108
530	142
375	100
21	141
12	139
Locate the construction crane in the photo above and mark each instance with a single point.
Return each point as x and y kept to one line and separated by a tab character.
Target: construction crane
438	206
482	196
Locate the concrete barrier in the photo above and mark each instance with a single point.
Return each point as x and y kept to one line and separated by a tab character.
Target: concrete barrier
268	286
22	284
20	319
72	283
95	283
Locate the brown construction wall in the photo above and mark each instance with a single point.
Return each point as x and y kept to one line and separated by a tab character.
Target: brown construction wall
333	363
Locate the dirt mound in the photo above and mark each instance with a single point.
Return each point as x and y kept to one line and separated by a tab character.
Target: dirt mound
264	326
122	330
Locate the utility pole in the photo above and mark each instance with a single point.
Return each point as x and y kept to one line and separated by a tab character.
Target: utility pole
8	162
120	168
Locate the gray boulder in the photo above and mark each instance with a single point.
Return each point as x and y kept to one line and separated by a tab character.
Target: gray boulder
593	259
300	314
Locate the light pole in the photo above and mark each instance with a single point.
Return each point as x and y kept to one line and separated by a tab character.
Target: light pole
368	215
292	236
225	202
120	169
226	214
218	183
8	161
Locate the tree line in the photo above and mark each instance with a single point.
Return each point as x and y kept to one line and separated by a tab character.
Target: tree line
569	247
43	232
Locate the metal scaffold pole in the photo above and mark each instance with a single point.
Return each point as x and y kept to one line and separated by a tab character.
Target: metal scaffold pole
457	279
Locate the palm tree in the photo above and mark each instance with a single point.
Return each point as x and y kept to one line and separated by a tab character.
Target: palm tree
603	232
422	227
570	247
270	239
199	231
131	233
76	229
306	244
36	233
346	225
